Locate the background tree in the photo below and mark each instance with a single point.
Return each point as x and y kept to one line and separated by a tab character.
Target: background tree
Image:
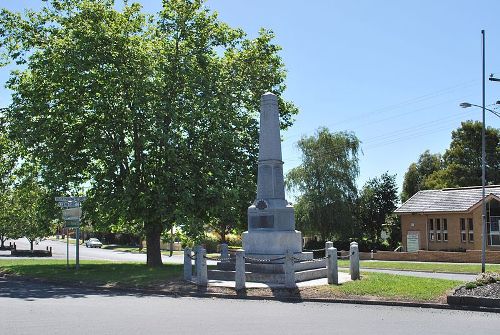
325	181
157	113
463	161
7	163
377	201
461	164
32	210
415	178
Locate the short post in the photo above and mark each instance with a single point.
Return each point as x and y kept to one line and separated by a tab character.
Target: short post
50	251
77	248
224	252
188	265
202	269
332	268
354	261
328	245
289	271
240	278
371	254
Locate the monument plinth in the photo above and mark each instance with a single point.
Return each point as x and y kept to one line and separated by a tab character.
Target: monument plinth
271	221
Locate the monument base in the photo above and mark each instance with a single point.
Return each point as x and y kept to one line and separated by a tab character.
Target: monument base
272	242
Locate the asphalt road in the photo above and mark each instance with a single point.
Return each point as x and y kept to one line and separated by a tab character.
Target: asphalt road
34	308
59	252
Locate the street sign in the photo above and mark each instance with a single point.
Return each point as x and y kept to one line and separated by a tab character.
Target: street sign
69	202
70	199
71	224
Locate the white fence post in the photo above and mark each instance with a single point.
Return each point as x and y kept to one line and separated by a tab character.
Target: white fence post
224	252
332	266
188	267
289	271
354	261
202	269
240	278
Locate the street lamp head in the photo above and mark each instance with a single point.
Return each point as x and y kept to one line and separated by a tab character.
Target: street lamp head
498	102
465	105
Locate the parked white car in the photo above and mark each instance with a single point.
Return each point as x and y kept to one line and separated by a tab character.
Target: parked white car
93	243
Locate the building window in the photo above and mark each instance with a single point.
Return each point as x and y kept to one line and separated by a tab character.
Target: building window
470	225
430	226
438	224
445	230
463	231
438	235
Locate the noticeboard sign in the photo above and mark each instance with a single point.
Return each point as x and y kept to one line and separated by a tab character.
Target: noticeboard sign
412	241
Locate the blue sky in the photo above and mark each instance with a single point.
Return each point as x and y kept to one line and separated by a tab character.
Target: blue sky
393	72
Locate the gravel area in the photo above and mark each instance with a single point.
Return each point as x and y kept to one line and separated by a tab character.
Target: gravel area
485	291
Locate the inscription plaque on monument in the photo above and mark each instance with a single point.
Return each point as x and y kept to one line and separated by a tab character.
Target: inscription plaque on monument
262	222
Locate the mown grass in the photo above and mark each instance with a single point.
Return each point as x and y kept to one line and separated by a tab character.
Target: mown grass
383	285
101	273
429	267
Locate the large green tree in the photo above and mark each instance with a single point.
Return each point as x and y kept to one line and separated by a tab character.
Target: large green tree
326	183
463	158
461	164
156	113
376	203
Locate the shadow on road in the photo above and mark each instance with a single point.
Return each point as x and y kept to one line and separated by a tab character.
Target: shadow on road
31	290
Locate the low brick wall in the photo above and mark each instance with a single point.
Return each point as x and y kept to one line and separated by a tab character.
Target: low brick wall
469	256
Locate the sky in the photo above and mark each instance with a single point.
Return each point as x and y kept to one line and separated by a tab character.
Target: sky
393	72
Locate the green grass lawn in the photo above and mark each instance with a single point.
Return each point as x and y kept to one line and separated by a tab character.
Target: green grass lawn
384	285
430	267
100	273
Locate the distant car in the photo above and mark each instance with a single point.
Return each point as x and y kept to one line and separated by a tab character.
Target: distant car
93	243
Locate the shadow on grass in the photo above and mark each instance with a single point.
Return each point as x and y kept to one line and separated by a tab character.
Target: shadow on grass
53	280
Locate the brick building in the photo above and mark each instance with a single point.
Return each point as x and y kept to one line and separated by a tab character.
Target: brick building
450	219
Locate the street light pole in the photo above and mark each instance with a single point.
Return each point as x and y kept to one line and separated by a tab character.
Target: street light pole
483	161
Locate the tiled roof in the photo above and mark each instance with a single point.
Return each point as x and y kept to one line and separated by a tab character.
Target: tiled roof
446	200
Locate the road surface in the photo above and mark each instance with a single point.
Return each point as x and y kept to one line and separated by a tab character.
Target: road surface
33	308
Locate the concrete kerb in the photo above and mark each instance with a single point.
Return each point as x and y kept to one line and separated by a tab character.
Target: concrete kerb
258	298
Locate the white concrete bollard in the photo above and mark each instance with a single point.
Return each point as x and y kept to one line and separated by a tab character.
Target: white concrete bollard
332	268
188	266
202	274
289	271
224	252
328	245
354	261
239	276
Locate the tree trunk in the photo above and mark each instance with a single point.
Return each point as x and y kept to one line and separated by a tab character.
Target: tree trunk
31	245
153	236
2	246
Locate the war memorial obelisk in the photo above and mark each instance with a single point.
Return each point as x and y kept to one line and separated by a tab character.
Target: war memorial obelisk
271	221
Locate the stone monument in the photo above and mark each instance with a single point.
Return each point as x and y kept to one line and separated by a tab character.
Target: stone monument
271	221
272	248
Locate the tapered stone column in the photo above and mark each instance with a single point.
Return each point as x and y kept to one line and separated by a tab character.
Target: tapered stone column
271	222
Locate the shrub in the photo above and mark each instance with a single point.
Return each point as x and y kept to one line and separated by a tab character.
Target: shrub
470	285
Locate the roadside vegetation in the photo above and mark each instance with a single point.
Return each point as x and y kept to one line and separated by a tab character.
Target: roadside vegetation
388	286
98	273
169	276
428	267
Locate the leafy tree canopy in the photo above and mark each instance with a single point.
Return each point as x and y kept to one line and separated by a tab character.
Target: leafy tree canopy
156	113
326	182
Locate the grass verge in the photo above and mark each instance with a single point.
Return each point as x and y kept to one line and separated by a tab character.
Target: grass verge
383	285
429	267
169	279
99	273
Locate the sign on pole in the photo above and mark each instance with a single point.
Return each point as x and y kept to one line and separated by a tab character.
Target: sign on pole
71	213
